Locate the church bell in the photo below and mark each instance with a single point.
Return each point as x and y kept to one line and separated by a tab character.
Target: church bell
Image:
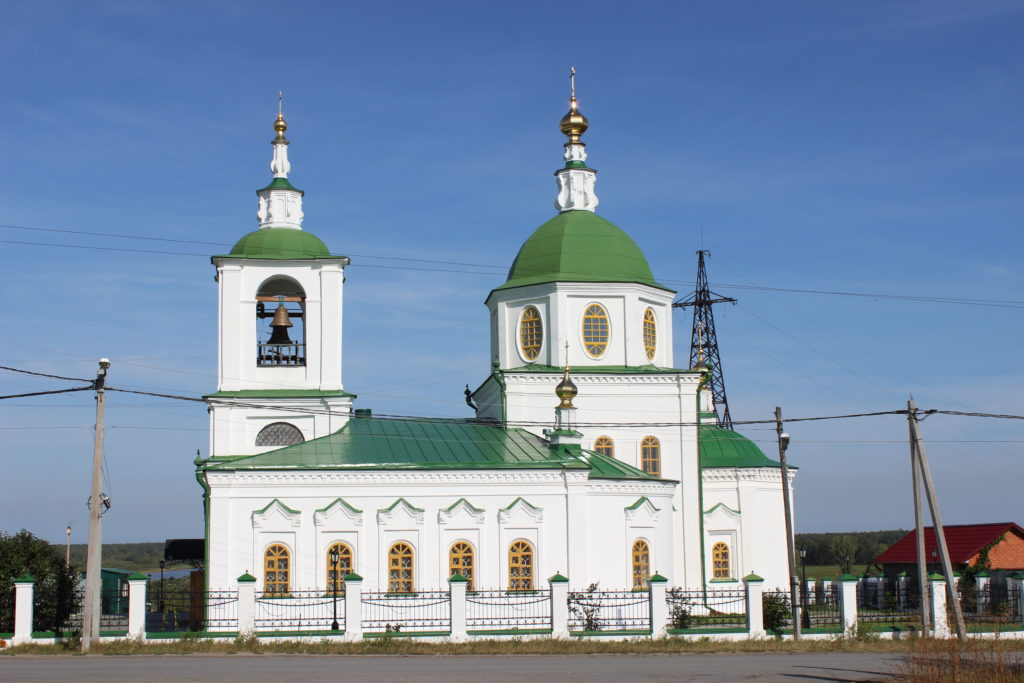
280	325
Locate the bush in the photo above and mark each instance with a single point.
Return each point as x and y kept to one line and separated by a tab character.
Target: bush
776	611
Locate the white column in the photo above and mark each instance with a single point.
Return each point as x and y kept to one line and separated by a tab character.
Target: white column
353	607
559	606
902	588
246	604
809	590
457	594
137	605
755	609
848	602
658	586
937	584
24	607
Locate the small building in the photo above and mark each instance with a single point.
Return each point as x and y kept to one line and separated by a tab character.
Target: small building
113	589
1003	542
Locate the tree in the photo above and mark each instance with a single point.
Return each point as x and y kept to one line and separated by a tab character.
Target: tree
843	550
56	595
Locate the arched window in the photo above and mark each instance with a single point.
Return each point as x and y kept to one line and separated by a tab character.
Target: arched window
720	561
650	455
531	333
279	434
641	564
276	569
650	333
595	330
280	323
336	573
605	446
520	566
460	561
401	568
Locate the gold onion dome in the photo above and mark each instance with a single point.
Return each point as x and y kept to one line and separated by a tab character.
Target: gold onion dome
574	124
280	125
566	390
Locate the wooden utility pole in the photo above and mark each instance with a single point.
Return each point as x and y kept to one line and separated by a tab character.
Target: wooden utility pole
67	547
794	582
922	567
933	506
92	606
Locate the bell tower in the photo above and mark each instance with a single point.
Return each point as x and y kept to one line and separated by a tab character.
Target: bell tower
279	331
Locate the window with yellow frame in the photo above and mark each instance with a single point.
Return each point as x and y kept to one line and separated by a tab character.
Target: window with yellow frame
460	561
596	330
520	566
401	568
605	446
276	569
721	563
531	333
650	334
336	573
650	455
641	564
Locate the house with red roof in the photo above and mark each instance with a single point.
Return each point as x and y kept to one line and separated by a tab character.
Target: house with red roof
1004	542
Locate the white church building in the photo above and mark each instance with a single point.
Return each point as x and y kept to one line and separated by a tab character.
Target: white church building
590	455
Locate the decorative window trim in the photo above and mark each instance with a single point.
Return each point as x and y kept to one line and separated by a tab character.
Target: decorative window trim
262	517
445	515
400	505
649	333
337	507
651	441
604	442
524	350
643	507
583	330
281	427
522	548
723	510
520	505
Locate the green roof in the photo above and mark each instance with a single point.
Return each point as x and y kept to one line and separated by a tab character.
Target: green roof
280	243
282	184
726	448
374	443
579	246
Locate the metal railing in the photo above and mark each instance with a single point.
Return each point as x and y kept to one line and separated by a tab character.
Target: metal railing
280	354
992	604
406	612
613	610
299	610
717	609
895	606
824	612
177	611
113	611
498	610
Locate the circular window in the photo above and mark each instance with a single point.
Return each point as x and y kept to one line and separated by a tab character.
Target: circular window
650	334
531	333
595	330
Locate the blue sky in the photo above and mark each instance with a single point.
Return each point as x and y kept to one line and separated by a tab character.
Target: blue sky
859	147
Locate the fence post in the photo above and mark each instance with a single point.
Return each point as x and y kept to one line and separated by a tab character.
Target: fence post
810	590
902	587
754	586
657	586
353	607
1020	598
457	584
24	608
137	605
982	581
559	606
848	602
940	623
246	604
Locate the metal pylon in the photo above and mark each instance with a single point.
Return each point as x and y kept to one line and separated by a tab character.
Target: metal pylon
704	339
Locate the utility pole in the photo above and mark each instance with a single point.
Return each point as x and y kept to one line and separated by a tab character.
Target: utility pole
933	506
67	547
794	581
91	606
922	567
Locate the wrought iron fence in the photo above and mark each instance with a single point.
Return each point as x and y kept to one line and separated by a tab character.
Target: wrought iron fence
718	609
7	611
406	612
824	611
113	611
495	610
176	611
280	354
993	604
615	610
299	610
895	605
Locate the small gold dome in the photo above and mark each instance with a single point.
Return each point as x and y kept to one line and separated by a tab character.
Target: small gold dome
280	125
574	124
566	390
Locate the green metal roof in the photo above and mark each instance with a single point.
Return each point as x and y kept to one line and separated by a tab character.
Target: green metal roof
374	443
579	246
726	448
282	184
280	243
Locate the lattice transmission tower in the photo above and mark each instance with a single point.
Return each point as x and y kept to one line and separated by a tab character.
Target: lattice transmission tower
704	339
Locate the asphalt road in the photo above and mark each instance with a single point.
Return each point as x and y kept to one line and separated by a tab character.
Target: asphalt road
841	666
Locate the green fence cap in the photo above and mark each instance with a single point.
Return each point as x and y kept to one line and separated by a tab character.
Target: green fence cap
558	578
247	578
752	578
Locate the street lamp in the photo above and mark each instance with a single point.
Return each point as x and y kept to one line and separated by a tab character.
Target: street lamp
935	555
805	617
162	586
335	556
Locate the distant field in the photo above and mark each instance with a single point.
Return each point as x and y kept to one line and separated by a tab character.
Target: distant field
137	557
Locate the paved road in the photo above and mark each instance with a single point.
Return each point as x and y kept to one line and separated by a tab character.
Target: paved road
842	666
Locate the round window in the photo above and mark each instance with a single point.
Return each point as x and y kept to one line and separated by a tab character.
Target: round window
595	330
531	333
650	334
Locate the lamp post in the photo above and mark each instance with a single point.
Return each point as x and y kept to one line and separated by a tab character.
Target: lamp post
335	556
805	616
847	558
162	586
935	555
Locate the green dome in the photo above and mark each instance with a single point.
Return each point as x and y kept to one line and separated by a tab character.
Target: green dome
280	243
726	448
579	246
